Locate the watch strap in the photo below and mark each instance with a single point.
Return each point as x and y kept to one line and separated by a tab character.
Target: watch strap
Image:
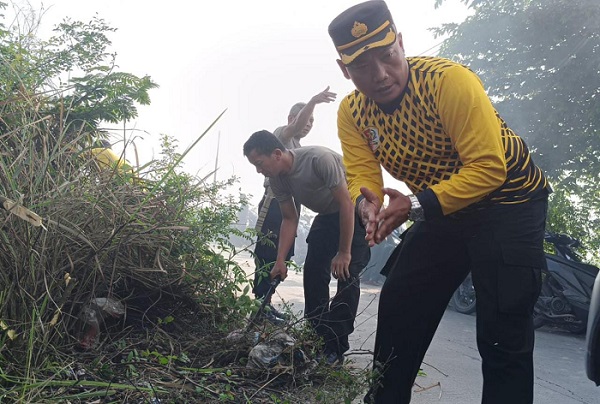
416	210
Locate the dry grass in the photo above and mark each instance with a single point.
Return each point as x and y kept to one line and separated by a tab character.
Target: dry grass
145	244
151	240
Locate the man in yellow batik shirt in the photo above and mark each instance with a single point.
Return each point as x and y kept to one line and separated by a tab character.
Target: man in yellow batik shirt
478	204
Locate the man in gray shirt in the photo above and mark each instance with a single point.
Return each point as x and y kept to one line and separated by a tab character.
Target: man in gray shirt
300	122
314	176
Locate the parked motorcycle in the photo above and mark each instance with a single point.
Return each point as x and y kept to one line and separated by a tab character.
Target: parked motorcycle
566	288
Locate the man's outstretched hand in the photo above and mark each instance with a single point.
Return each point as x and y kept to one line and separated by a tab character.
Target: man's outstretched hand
323	96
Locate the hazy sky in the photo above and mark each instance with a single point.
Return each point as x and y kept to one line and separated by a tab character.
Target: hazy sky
253	58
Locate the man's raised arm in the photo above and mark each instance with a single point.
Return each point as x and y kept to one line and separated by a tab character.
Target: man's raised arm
303	117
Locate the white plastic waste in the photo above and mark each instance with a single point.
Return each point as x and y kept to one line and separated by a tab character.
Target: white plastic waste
267	353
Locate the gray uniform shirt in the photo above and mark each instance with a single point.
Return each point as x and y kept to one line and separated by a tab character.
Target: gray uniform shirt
316	170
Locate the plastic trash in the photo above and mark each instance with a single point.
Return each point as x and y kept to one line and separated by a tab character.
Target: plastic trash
93	314
267	354
108	306
241	336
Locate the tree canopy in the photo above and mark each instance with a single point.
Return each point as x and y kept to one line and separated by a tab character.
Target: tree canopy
540	61
94	91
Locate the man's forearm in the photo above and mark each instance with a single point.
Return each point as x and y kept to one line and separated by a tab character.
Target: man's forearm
346	227
287	234
301	120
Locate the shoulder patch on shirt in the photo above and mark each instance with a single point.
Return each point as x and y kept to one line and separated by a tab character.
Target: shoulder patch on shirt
372	137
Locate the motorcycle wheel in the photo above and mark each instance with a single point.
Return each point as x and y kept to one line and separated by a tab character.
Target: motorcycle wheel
540	320
463	298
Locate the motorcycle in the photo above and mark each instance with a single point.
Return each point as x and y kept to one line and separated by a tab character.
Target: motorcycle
566	290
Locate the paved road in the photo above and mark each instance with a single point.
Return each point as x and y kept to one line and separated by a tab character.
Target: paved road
452	364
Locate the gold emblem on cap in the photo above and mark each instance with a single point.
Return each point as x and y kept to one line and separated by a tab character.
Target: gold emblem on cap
359	29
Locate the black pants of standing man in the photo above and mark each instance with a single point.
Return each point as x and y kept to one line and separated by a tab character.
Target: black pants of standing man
333	321
503	248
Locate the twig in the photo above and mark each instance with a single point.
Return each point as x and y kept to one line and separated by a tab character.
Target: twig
422	389
360	352
434	368
265	386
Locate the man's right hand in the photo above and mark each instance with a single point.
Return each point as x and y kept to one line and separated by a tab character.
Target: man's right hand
367	211
323	96
279	269
394	214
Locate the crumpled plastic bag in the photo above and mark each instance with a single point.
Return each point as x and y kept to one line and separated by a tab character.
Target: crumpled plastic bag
94	313
108	306
266	354
243	337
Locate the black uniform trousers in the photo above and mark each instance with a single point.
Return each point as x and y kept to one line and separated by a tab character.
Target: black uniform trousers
265	254
503	248
332	320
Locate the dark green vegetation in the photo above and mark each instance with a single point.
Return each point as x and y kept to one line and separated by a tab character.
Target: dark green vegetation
152	239
540	61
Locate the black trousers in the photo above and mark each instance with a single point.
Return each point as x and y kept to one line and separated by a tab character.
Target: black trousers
265	254
333	321
503	248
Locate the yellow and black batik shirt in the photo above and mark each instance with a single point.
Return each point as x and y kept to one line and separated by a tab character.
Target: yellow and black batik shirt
444	136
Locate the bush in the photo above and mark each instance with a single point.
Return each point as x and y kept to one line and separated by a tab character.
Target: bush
145	237
126	290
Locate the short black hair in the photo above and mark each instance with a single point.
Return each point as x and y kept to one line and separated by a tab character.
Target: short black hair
264	142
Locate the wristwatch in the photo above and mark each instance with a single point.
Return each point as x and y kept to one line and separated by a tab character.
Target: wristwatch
416	210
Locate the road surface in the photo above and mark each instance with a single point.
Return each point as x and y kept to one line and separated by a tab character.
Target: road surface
452	364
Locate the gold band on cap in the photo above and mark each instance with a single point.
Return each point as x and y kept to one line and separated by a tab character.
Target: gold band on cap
363	38
389	38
